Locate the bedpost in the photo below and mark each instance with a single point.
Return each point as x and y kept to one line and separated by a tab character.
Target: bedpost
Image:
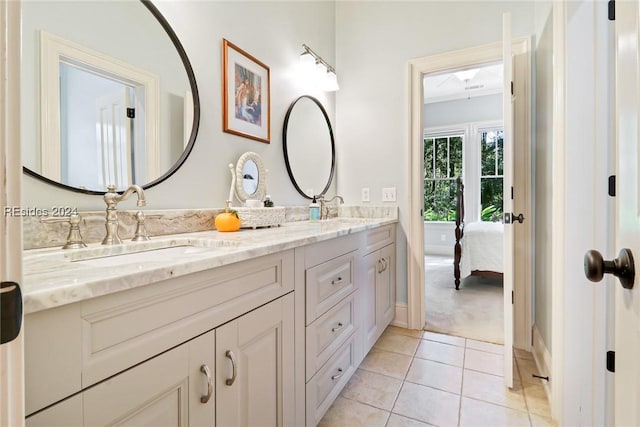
457	251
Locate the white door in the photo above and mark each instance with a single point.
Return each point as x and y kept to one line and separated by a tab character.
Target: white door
11	352
113	135
627	301
507	114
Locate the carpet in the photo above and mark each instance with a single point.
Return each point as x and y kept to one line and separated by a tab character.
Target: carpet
476	311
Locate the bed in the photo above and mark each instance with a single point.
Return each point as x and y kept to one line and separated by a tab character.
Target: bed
473	240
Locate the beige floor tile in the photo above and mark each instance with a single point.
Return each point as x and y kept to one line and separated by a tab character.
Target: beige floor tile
484	362
428	405
485	346
538	421
373	389
439	352
522	354
482	414
383	362
346	412
527	368
491	388
396	420
447	339
436	375
536	399
415	333
390	341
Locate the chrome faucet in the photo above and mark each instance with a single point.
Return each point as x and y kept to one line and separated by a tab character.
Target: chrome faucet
324	210
112	198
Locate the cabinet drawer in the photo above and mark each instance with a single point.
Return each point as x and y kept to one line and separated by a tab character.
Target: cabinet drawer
328	333
325	386
123	329
329	283
379	237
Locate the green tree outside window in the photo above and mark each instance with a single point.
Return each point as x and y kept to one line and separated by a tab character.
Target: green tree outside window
442	164
492	175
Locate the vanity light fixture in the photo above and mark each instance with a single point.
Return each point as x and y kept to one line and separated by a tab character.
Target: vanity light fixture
312	64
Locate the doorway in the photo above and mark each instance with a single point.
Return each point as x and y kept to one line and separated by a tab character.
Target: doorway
462	59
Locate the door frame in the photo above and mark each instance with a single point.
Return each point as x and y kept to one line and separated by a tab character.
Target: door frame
415	238
11	354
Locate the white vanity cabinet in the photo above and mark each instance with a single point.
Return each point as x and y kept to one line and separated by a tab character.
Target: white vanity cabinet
122	356
378	287
330	287
268	341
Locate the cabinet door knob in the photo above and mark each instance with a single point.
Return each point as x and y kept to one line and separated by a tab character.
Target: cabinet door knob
338	375
234	372
337	328
205	370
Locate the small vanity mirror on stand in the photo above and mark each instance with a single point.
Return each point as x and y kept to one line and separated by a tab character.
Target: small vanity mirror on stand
249	186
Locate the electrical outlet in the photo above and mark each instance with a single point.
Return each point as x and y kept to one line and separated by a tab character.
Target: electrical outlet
389	194
366	197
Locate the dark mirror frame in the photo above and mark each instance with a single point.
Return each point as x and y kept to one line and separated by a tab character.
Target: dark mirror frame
286	155
196	112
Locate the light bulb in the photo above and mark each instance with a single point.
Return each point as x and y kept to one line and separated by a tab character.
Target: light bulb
331	82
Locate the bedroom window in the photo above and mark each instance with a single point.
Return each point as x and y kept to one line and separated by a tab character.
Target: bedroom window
442	164
492	173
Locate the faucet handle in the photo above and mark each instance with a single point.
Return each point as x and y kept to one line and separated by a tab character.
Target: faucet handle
74	239
141	231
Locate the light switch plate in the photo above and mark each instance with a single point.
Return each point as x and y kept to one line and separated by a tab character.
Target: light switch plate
366	196
389	194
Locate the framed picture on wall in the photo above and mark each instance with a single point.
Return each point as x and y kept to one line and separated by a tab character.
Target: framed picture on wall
245	87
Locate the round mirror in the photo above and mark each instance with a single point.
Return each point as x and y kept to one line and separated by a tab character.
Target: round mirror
309	146
108	95
251	177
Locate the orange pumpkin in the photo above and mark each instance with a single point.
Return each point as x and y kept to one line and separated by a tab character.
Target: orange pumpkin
227	221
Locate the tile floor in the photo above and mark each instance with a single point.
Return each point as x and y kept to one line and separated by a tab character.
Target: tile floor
418	378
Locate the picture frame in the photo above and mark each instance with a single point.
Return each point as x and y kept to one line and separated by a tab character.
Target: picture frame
246	94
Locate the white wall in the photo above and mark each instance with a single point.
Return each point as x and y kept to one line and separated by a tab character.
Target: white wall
374	42
542	159
273	32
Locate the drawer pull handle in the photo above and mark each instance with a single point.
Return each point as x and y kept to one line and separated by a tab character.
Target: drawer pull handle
231	356
205	370
338	375
336	281
380	269
337	328
384	264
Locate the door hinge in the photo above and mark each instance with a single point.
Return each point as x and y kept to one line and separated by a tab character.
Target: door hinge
612	186
131	113
611	361
612	10
511	192
512	297
511	87
10	311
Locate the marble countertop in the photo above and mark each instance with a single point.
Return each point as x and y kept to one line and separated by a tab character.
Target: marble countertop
54	277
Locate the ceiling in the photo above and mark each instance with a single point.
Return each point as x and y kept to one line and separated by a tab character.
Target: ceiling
462	84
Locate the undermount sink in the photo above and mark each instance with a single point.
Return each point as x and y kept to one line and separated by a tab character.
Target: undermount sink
152	255
152	251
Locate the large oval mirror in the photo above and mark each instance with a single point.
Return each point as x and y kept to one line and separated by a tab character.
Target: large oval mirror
309	146
108	95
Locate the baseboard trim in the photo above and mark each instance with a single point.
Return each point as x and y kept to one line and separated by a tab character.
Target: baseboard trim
401	318
542	358
438	250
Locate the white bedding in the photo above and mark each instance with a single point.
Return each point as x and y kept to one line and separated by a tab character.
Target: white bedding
482	247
